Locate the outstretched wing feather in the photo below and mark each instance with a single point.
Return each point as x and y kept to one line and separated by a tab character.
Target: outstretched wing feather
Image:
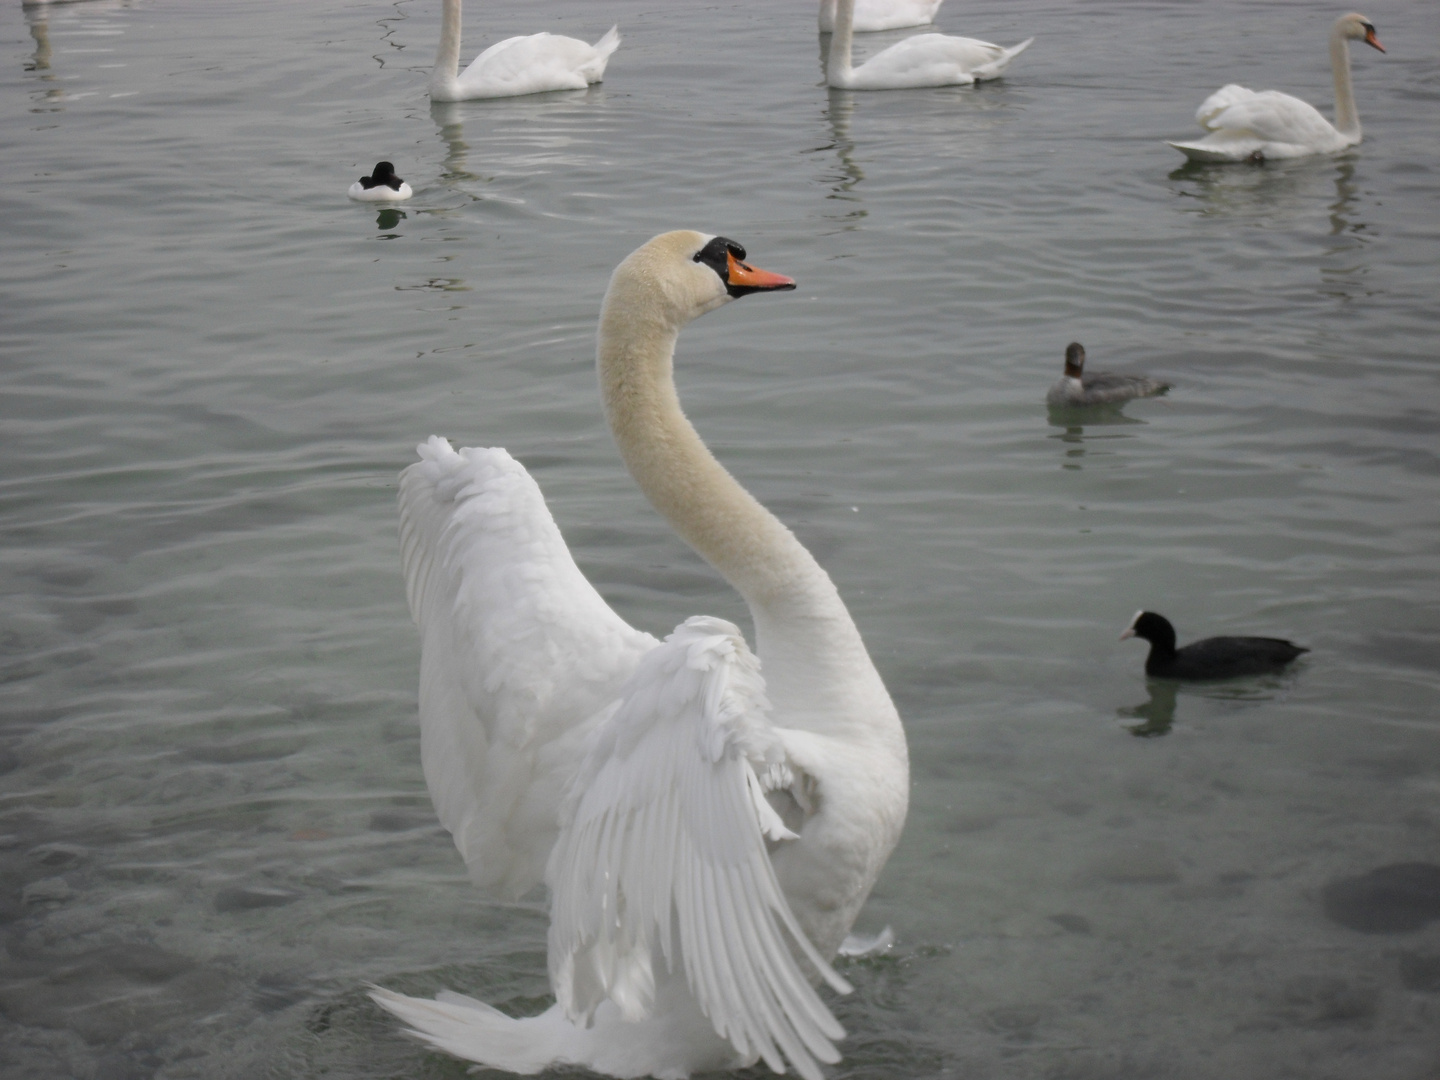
662	836
520	656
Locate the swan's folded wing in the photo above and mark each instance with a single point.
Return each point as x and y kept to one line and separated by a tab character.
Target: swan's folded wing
520	656
1271	116
533	63
1218	102
662	859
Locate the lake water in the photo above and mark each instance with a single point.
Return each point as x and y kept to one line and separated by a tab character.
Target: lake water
213	825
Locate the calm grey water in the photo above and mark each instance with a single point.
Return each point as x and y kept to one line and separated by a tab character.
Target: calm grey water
213	824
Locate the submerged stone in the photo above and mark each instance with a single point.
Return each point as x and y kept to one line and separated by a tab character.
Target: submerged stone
1419	971
1393	899
247	899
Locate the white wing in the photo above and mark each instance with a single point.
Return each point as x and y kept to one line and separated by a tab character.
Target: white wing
1270	115
662	858
935	60
535	63
520	656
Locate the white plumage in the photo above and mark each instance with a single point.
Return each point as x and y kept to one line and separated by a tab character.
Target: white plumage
528	64
519	656
873	15
381	186
1245	125
707	834
919	61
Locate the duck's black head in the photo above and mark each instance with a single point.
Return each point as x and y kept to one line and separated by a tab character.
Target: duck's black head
1155	629
1074	359
384	174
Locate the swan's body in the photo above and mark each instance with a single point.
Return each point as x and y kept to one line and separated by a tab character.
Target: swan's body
645	781
873	15
532	64
382	185
922	60
1076	389
1249	126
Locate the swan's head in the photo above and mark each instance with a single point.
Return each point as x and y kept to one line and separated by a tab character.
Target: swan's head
1074	359
384	174
1358	28
678	276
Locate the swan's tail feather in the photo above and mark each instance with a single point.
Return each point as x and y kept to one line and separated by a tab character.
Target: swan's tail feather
474	1031
609	42
594	70
996	67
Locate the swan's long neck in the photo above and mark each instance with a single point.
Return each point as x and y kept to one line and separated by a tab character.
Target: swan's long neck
447	57
1347	120
681	478
804	635
837	67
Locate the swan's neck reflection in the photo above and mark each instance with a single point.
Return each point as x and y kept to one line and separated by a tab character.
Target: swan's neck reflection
842	186
1346	195
40	31
449	119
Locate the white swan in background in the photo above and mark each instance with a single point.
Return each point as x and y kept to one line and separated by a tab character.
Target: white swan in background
382	185
1246	126
707	834
872	15
922	60
531	64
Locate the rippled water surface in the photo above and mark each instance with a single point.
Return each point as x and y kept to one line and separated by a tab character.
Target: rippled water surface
213	825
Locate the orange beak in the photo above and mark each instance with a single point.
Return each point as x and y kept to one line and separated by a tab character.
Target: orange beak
744	276
1372	40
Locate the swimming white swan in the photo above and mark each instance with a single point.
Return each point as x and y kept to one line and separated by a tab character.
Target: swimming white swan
382	185
531	64
922	60
1246	126
707	834
872	15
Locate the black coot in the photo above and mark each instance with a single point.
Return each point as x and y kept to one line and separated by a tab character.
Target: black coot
1213	658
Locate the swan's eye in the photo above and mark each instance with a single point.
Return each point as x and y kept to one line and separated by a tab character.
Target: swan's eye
716	255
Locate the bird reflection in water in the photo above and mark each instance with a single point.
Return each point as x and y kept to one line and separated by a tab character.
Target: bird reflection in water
40	31
842	184
450	120
1074	436
1156	714
388	219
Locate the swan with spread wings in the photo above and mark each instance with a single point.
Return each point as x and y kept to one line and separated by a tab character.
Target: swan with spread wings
709	820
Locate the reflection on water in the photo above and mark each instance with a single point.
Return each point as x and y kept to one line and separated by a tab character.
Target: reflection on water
1345	276
389	218
1158	713
450	119
40	31
1347	200
840	112
1276	189
1074	420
